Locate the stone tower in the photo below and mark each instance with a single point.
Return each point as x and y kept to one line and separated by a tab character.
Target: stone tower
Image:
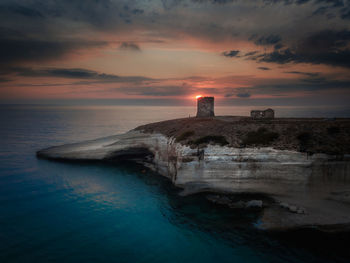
263	114
205	107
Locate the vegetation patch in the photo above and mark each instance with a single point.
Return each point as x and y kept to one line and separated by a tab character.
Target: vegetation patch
184	136
260	137
304	141
216	139
333	130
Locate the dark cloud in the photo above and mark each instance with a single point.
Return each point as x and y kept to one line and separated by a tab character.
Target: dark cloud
232	53
300	2
158	91
280	57
321	10
168	90
129	46
301	85
97	13
329	8
268	40
4	79
31	49
75	73
345	13
168	4
37	31
325	47
214	1
332	3
264	68
49	29
287	2
251	53
278	46
307	83
310	74
16	9
236	92
243	95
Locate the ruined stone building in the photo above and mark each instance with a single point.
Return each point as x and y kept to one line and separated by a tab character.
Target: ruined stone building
262	114
205	107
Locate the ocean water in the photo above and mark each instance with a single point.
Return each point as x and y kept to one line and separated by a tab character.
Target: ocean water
77	212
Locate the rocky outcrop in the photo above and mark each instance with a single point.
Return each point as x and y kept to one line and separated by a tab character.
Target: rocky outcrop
317	186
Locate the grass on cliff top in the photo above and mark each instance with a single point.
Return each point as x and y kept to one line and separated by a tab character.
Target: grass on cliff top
216	139
260	137
298	134
184	136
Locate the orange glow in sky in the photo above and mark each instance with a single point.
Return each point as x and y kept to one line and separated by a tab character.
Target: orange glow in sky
198	96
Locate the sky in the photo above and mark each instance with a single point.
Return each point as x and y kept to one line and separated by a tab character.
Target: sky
165	52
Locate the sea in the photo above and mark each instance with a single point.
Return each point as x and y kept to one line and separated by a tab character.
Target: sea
91	212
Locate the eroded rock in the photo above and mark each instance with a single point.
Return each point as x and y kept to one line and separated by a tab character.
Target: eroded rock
292	208
307	182
254	204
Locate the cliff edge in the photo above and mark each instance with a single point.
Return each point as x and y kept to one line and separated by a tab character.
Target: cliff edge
302	164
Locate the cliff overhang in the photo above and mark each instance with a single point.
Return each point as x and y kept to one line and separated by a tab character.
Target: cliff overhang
308	189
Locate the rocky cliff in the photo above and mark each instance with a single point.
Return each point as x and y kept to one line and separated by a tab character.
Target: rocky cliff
308	190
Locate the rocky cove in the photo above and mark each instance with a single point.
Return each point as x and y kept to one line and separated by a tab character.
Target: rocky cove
295	170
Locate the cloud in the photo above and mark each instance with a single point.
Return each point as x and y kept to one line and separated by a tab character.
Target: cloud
29	49
4	79
251	53
332	3
320	11
268	40
16	9
278	46
300	85
34	32
231	54
243	95
326	47
65	21
47	30
157	91
236	92
214	1
129	46
345	13
309	74
77	73
25	36
183	89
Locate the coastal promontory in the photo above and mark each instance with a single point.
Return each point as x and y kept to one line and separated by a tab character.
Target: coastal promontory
301	166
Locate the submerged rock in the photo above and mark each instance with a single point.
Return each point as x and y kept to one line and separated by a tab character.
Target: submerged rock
227	201
293	208
238	205
221	200
254	204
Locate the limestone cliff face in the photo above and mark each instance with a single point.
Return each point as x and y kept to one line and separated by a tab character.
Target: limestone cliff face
312	182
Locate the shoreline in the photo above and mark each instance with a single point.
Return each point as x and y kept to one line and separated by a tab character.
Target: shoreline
309	189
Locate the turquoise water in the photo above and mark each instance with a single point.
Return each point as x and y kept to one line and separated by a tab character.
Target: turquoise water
78	212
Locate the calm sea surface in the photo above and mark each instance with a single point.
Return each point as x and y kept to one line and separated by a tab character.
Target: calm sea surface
75	212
